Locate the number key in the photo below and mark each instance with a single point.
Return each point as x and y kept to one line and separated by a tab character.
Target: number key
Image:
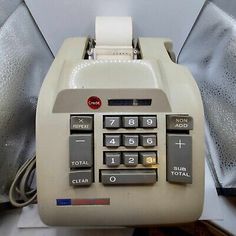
130	122
130	140
112	140
148	140
148	158
130	158
112	159
148	121
112	122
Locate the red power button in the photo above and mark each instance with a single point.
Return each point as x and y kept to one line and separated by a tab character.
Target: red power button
94	102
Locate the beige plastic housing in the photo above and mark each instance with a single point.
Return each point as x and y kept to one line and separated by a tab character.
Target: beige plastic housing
66	88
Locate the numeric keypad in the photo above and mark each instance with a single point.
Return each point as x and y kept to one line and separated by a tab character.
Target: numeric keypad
130	122
130	140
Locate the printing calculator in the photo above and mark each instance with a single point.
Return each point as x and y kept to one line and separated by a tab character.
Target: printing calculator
120	141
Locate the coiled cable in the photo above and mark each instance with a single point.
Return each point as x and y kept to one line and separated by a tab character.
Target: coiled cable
21	194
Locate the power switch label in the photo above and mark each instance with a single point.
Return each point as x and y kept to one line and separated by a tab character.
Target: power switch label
179	158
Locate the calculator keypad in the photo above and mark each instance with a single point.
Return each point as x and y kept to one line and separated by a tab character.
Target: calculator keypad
130	159
130	140
115	122
129	149
130	154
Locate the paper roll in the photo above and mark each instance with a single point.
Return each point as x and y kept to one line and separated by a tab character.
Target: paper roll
113	31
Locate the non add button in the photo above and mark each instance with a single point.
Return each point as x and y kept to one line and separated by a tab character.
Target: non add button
179	122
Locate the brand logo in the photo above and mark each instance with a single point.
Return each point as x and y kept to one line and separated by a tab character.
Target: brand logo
94	102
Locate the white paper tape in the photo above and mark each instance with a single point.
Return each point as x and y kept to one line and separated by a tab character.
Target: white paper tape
113	31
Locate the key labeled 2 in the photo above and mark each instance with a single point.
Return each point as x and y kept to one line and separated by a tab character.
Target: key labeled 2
130	158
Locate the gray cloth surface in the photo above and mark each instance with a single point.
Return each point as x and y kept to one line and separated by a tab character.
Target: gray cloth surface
7	7
25	59
210	54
